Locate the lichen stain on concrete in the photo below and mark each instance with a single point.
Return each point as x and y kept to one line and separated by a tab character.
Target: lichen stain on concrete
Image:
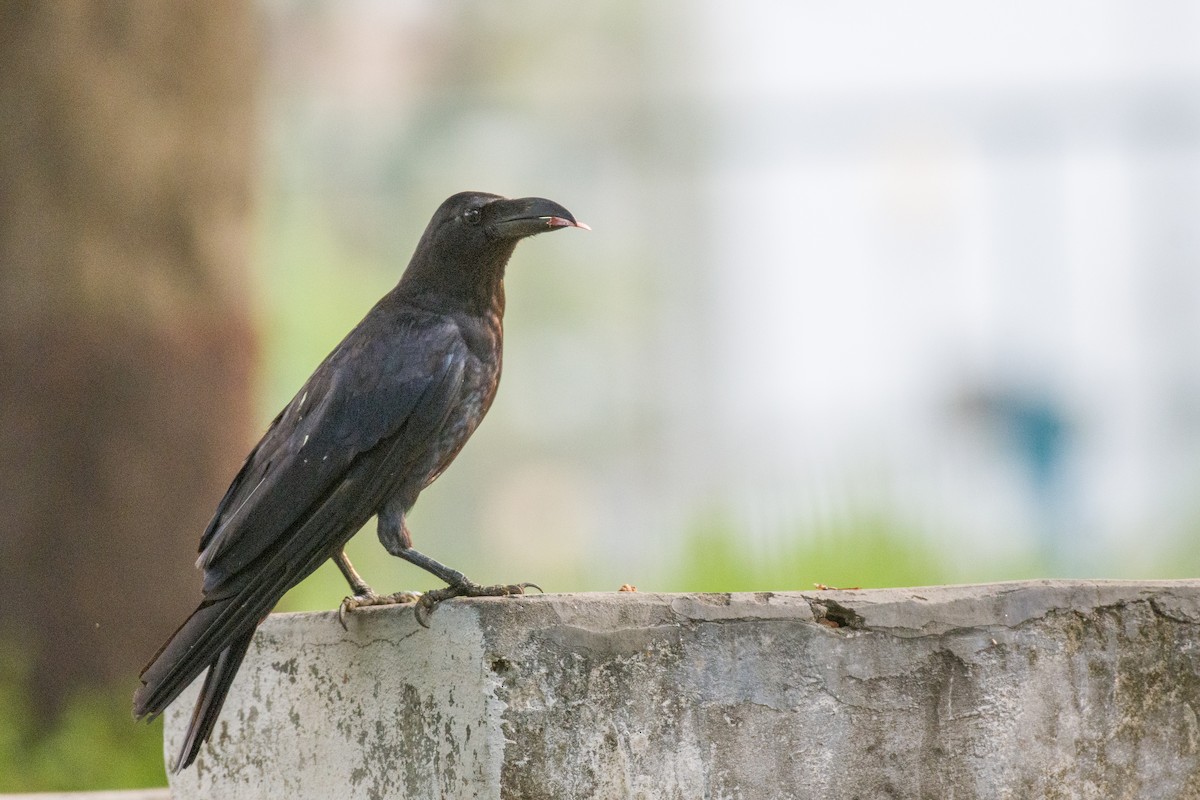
1115	695
640	682
289	668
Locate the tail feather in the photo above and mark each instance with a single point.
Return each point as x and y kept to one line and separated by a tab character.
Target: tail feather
214	627
219	627
221	621
171	670
212	697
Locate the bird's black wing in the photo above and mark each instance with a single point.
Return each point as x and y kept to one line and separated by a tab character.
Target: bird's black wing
325	466
368	389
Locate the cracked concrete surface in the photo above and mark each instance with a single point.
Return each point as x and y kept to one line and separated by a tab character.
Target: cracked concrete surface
1046	689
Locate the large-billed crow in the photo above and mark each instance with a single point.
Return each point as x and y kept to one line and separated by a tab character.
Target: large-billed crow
383	415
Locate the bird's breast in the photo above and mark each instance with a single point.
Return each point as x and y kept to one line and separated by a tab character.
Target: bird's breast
480	380
481	376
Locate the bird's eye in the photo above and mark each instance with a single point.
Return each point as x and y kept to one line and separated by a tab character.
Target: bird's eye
471	216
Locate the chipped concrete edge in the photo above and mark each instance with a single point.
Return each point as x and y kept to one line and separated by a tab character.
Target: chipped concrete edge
919	610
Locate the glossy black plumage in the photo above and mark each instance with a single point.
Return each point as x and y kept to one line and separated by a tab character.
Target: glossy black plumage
382	416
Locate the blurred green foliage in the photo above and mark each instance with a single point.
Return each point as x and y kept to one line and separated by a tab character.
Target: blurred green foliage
94	744
315	289
864	551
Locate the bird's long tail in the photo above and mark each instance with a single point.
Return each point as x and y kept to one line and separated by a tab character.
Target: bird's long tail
181	660
212	697
217	634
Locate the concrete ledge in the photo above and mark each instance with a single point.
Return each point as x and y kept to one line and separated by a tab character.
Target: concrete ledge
1043	689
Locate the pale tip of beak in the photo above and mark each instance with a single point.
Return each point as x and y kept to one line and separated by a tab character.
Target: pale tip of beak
563	222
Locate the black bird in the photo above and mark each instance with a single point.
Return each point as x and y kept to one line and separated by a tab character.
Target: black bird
383	415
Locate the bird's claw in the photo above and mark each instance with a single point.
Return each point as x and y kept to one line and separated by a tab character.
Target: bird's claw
372	599
429	600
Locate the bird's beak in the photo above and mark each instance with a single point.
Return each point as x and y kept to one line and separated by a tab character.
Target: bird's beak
526	216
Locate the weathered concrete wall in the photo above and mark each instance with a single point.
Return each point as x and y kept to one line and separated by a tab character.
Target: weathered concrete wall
1019	690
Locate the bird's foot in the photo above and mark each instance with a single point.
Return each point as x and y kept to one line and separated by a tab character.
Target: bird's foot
371	599
429	600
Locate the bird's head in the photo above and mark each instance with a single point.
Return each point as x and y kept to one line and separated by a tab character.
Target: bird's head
480	219
472	235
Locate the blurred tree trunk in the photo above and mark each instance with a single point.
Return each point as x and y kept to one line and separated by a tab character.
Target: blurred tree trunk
126	349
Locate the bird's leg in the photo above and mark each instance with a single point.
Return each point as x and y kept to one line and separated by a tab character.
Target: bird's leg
460	585
363	594
357	584
396	539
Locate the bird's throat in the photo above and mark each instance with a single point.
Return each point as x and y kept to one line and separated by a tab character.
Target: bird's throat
476	290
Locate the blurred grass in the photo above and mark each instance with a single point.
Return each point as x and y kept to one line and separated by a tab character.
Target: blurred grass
94	744
865	551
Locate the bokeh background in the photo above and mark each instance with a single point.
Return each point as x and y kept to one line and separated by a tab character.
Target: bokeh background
876	294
